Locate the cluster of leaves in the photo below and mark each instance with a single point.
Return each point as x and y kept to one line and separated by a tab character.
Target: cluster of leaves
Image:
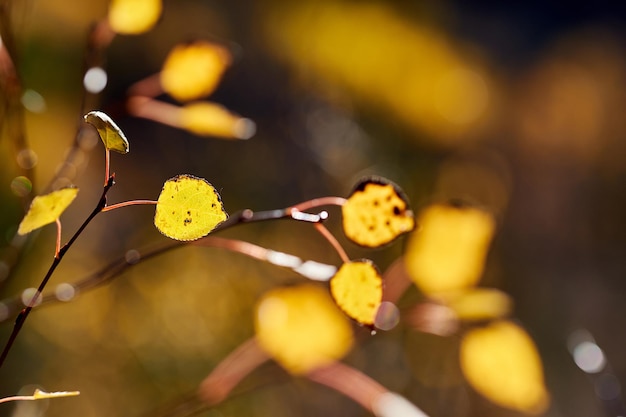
308	328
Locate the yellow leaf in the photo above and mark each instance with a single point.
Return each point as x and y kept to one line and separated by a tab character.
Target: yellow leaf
448	251
376	213
478	303
194	70
211	119
132	17
358	290
39	394
188	208
501	363
46	209
111	135
301	328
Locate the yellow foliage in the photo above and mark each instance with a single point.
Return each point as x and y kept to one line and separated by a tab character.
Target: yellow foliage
478	303
358	290
46	209
396	65
448	251
188	208
375	214
302	328
501	362
133	17
194	70
211	119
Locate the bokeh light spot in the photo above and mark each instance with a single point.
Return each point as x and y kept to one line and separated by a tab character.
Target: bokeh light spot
21	186
95	80
608	387
65	292
387	316
589	357
33	101
28	294
27	158
132	256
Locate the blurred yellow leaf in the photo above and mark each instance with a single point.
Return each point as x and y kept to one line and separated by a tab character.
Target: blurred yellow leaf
302	328
211	119
194	70
418	74
478	303
132	17
188	208
111	135
358	290
501	362
448	251
46	209
376	213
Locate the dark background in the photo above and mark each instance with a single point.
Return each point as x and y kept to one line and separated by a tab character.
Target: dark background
338	90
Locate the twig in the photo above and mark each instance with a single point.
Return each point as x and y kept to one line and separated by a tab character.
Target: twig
23	315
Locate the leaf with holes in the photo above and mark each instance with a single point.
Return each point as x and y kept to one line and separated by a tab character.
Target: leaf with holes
111	135
46	209
188	208
376	213
358	290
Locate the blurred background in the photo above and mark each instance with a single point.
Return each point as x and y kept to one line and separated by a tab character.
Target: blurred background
517	107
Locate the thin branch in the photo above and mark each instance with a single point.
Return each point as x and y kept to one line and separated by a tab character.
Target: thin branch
236	366
107	164
318	202
333	241
350	382
57	247
129	203
23	315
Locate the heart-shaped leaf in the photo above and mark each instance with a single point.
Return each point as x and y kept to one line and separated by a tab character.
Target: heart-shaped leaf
46	209
188	208
502	363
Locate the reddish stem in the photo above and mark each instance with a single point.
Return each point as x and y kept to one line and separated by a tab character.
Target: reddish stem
128	203
107	165
350	382
317	202
57	248
243	247
333	241
241	362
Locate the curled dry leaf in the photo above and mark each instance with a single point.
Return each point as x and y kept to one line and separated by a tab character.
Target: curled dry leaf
111	135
